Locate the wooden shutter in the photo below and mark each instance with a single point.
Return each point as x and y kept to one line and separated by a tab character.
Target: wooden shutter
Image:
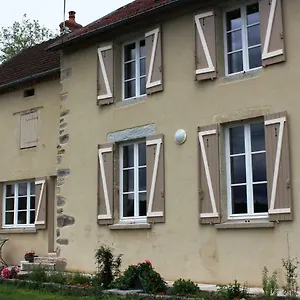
1	205
106	74
29	130
209	174
105	184
154	67
40	203
205	52
278	167
271	26
155	179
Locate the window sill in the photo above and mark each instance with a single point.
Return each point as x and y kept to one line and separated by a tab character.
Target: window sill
241	76
17	230
245	225
131	101
130	226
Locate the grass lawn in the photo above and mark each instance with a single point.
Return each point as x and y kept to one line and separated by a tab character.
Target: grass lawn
12	293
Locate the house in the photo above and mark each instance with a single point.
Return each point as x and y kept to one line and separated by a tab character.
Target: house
178	138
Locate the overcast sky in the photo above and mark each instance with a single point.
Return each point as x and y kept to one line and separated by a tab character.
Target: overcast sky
50	12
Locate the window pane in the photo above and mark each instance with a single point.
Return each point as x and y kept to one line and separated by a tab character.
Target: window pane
143	86
142	154
130	89
234	41
255	57
233	19
32	188
257	137
128	156
22	203
142	48
259	167
142	179
130	52
128	205
32	202
237	142
10	190
9	218
129	70
128	181
142	204
260	198
238	169
253	35
235	62
142	66
22	189
22	217
10	204
239	199
252	14
32	217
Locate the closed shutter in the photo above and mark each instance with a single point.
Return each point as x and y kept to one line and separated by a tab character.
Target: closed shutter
155	179
105	184
106	74
29	130
272	35
209	174
205	42
278	167
40	203
154	63
1	205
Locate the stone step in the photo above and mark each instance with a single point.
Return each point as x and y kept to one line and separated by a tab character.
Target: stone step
27	266
46	260
48	263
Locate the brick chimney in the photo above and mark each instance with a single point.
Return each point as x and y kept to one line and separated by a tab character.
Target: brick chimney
71	23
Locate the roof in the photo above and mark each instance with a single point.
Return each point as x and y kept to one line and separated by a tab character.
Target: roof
30	64
129	11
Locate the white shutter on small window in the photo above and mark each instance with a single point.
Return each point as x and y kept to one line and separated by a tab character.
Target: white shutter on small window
29	130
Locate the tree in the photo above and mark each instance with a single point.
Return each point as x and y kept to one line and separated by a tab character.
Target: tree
22	35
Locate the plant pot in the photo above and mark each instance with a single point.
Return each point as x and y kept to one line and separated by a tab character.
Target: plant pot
29	258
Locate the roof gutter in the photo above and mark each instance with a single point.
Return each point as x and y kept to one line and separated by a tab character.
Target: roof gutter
28	78
60	45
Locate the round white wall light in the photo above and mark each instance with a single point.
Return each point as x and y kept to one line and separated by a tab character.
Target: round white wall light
180	136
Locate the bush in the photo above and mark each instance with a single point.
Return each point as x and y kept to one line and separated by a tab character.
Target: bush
38	275
270	285
291	287
57	277
108	266
183	287
232	291
80	279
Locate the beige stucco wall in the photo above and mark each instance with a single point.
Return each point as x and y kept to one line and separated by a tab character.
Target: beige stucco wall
31	163
180	247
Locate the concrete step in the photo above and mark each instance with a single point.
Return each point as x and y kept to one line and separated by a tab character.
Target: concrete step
45	260
47	263
27	266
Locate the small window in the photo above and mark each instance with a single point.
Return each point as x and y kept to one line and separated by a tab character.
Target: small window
28	93
246	170
134	70
19	204
133	186
242	39
29	130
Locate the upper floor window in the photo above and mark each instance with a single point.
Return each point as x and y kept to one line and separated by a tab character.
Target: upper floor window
242	39
19	204
134	70
29	130
246	170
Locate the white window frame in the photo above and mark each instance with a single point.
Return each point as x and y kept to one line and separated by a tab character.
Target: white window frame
136	218
137	69
249	182
16	210
245	48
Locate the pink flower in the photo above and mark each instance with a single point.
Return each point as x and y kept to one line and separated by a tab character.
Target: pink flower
148	262
5	273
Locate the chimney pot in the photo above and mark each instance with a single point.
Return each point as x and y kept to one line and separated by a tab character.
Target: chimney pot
70	23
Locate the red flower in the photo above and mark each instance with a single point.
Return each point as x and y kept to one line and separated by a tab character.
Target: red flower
148	262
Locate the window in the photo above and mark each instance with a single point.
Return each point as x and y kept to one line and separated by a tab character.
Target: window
242	39
29	130
134	70
246	170
19	204
133	187
28	93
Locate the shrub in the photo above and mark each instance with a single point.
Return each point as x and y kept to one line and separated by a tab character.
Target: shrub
108	266
291	286
57	277
183	287
80	279
232	291
38	275
270	285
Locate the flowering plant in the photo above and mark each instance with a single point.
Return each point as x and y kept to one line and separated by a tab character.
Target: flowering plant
10	272
31	252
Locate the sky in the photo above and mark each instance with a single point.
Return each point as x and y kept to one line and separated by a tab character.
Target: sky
50	12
